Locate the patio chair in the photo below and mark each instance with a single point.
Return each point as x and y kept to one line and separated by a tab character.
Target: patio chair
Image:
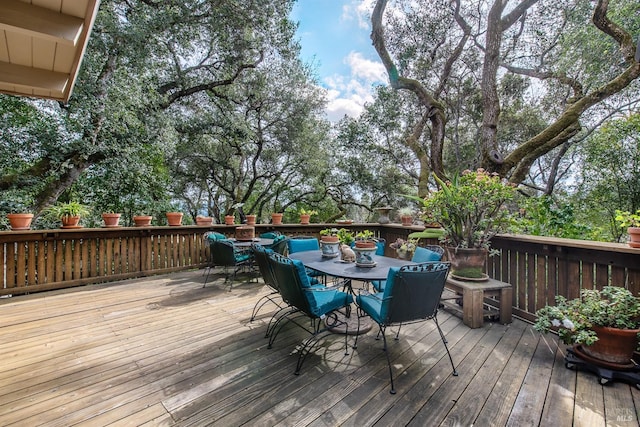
422	254
302	243
412	294
279	244
320	305
225	255
209	238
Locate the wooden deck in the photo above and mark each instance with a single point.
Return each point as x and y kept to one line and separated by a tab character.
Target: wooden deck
165	351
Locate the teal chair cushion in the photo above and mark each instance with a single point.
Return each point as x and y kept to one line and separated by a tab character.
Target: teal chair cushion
302	272
425	255
212	236
270	235
301	245
377	305
322	301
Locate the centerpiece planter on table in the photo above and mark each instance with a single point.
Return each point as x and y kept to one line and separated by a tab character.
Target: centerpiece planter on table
365	248
471	208
329	242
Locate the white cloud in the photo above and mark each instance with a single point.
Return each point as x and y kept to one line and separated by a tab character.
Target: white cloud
348	95
360	11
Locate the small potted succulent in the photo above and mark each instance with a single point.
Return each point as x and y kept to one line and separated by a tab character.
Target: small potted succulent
404	248
365	247
329	242
406	216
632	222
602	325
305	215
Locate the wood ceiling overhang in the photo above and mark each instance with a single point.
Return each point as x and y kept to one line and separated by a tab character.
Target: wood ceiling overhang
42	43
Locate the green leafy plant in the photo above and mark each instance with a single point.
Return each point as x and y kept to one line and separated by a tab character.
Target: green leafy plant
404	248
308	212
60	210
345	236
365	235
471	208
628	219
613	306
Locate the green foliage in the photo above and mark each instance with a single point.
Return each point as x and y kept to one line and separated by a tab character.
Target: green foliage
345	236
471	208
628	219
614	307
73	208
365	235
543	216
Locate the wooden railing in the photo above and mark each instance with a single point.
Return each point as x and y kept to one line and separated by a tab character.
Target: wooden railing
538	268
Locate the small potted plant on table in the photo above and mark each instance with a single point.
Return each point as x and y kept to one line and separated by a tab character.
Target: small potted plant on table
365	247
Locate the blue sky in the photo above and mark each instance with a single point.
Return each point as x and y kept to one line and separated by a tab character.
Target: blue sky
334	35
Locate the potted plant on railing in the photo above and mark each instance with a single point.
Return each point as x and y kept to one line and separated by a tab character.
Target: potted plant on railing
19	218
471	208
632	222
111	219
602	326
406	216
305	215
68	213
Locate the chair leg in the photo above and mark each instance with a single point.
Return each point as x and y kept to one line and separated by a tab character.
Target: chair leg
444	341
386	352
261	303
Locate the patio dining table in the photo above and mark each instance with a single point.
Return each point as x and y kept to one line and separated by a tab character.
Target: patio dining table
348	270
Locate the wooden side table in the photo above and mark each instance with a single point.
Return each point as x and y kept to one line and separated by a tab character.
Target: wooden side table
473	295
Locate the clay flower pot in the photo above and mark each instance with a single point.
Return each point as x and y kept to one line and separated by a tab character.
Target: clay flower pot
111	220
304	219
251	220
634	237
204	220
70	221
20	221
229	219
276	218
142	220
174	218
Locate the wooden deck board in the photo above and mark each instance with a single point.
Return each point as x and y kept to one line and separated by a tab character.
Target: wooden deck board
164	351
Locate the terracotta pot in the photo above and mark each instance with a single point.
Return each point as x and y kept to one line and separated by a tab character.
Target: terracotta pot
142	220
204	220
174	218
406	220
366	244
111	219
304	219
20	221
467	263
69	221
276	218
614	345
329	239
634	236
245	233
229	219
251	220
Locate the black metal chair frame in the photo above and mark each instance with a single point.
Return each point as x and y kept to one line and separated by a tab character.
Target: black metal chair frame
223	254
415	297
293	293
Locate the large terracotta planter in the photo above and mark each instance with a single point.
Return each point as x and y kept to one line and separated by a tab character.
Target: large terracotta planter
614	346
174	218
142	220
467	263
276	218
634	236
20	221
111	220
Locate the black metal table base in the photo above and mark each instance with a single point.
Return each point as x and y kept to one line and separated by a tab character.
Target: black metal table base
605	375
